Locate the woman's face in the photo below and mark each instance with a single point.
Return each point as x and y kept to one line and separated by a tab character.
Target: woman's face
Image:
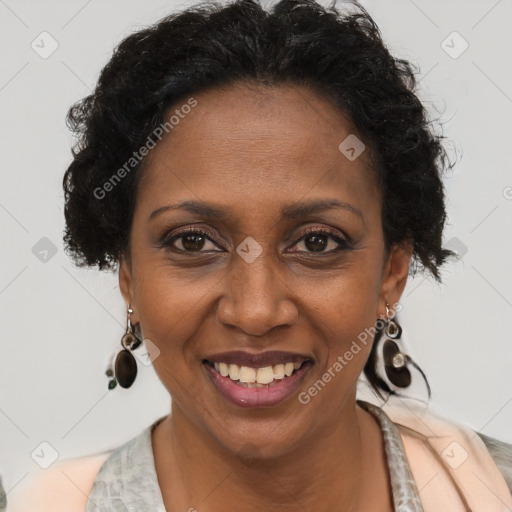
252	283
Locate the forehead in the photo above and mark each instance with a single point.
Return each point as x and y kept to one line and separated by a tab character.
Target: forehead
257	145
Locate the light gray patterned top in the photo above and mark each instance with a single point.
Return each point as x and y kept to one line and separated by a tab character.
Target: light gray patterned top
127	480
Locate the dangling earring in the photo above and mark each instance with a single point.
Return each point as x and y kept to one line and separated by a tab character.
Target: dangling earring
395	361
125	364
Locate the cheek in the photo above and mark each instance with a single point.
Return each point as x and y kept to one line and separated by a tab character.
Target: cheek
347	318
169	314
169	311
346	357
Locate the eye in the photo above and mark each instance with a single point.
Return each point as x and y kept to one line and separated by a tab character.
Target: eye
316	240
191	240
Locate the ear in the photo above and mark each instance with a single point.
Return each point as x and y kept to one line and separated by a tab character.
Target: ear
394	276
126	286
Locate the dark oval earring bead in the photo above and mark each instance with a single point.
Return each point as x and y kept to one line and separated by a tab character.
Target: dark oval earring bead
126	368
112	384
400	377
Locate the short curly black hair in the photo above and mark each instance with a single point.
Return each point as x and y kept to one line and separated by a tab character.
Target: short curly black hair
340	55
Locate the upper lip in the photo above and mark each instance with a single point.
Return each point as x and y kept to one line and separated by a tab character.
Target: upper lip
257	360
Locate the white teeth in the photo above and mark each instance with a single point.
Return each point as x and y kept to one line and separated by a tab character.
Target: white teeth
249	375
234	371
278	371
265	375
224	369
288	369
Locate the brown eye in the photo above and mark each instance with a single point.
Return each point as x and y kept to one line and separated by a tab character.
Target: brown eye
317	240
192	240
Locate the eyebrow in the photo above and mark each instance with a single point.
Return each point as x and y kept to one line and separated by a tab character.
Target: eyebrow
288	212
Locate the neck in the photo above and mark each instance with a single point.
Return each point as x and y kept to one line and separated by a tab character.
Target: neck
195	471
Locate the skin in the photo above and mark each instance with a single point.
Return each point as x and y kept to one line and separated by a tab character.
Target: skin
249	150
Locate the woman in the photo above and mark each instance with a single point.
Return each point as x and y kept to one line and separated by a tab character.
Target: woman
265	182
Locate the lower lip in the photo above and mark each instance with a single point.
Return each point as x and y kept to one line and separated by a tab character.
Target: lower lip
258	397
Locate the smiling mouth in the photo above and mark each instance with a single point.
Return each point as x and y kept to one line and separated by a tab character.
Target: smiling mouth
264	377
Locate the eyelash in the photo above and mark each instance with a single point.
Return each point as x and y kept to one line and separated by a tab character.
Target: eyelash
168	241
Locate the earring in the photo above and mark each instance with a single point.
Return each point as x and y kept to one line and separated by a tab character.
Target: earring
395	361
395	365
125	364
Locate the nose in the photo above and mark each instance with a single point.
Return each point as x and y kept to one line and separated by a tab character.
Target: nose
256	299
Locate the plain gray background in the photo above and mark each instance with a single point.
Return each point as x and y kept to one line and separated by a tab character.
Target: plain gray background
60	325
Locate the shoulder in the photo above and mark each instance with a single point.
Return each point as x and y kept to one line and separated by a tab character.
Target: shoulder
501	453
63	487
452	439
